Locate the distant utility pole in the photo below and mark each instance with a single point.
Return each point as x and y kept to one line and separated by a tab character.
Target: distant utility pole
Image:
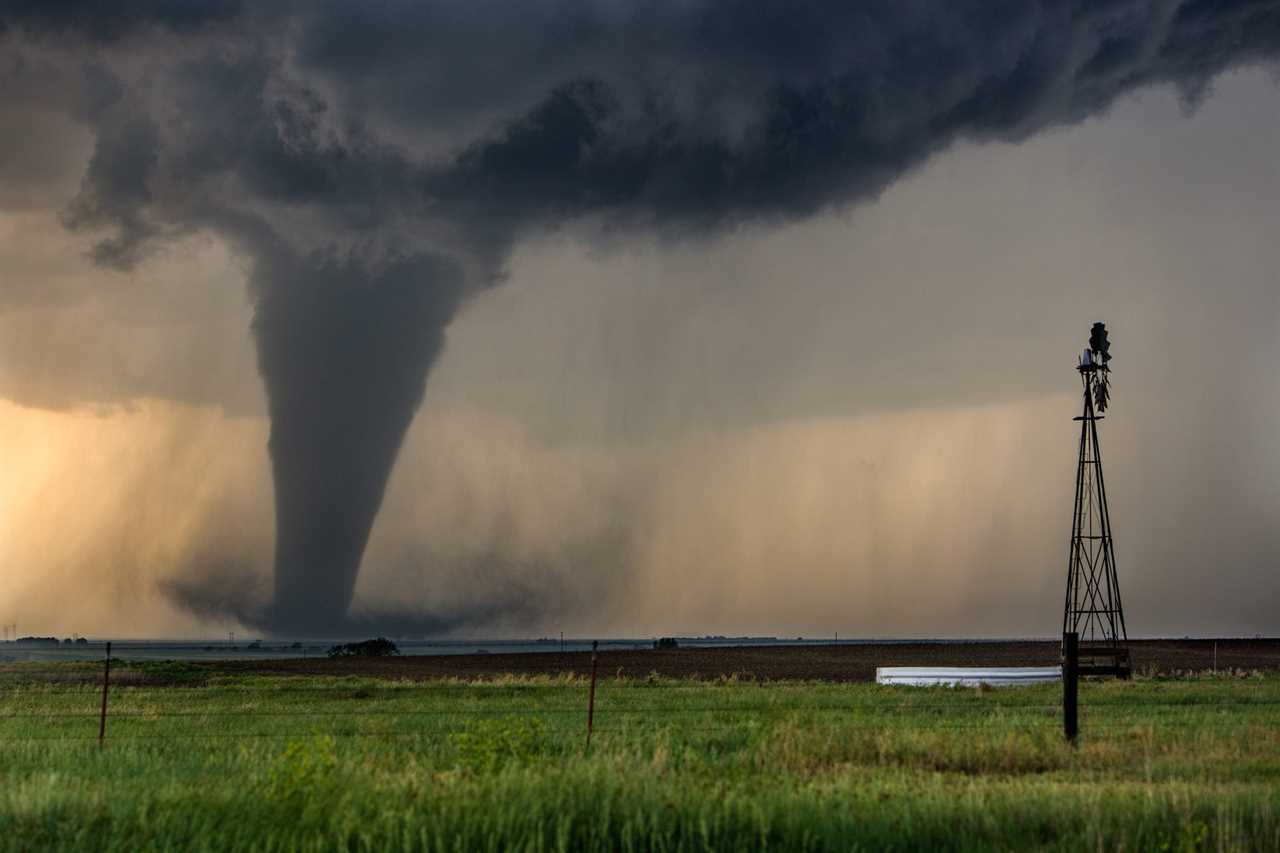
1093	610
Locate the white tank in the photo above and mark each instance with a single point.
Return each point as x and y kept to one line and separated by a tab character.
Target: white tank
967	676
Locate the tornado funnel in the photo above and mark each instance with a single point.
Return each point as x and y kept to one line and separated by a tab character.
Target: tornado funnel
344	351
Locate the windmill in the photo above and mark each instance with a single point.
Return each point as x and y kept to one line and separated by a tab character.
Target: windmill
1093	610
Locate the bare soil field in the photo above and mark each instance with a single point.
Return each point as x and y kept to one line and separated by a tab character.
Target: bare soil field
818	663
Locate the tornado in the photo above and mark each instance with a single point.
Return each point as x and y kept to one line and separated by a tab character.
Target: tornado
344	352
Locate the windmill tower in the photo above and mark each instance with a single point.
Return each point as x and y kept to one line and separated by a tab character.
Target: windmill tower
1093	610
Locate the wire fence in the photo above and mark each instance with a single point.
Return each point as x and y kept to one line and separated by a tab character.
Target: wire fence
135	725
39	707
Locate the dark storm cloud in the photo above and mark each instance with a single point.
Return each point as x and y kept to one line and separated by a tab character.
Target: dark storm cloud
377	160
116	190
832	101
108	22
830	129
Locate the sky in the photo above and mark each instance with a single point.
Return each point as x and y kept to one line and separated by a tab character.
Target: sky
632	319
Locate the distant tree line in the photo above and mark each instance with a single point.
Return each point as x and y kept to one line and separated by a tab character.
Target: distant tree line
376	648
51	641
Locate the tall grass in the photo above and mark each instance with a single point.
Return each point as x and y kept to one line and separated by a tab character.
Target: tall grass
320	764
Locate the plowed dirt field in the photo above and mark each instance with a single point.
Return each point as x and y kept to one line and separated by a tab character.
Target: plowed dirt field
853	662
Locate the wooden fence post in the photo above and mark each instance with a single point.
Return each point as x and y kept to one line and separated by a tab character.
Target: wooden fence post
591	698
106	680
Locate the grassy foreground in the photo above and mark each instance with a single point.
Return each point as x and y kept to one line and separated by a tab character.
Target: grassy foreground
320	764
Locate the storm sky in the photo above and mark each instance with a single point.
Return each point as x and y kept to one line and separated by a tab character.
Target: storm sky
633	319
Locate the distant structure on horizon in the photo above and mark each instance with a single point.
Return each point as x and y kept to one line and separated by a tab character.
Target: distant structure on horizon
1093	610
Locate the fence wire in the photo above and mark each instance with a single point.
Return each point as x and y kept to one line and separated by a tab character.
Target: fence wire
622	706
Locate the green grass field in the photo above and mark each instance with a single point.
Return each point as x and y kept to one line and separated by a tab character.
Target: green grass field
328	763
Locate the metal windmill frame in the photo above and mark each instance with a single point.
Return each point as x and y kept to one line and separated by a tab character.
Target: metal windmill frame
1093	608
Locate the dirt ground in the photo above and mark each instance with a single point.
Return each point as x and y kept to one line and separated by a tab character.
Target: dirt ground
825	663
